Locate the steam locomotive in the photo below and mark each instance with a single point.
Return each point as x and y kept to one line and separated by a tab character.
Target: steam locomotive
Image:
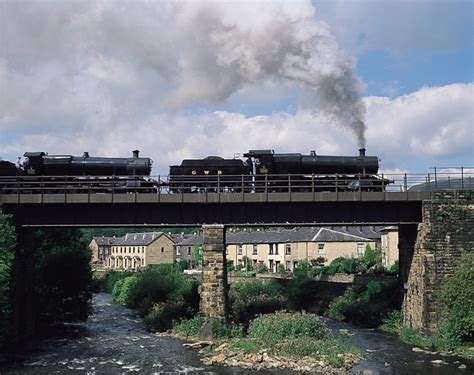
40	172
267	171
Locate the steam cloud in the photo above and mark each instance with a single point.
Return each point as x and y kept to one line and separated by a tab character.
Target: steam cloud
188	52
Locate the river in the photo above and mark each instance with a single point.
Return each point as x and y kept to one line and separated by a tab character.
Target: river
114	341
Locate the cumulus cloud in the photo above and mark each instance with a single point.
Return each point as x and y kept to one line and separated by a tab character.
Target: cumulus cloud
137	57
110	77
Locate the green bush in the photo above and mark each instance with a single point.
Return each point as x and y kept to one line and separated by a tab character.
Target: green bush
457	297
394	268
161	315
392	322
247	300
301	290
188	327
161	283
345	265
122	292
367	305
112	277
278	326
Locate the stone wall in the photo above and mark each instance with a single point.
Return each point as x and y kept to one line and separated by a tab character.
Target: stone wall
214	288
447	231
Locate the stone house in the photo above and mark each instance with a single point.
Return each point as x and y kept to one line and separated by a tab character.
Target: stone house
185	250
138	250
101	248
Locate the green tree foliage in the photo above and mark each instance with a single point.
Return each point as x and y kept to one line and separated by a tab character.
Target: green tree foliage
63	276
302	288
197	255
366	305
7	254
457	297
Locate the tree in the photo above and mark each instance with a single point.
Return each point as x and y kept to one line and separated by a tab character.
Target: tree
63	275
7	254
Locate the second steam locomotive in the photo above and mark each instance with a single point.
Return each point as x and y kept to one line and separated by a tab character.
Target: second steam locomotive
265	170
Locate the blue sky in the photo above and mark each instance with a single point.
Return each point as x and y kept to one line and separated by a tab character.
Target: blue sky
180	79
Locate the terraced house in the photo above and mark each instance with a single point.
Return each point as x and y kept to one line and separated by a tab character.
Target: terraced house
286	248
138	250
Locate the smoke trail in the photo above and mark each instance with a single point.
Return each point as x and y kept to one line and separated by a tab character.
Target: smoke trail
249	43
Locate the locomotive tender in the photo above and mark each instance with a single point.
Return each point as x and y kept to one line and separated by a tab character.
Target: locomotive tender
58	173
265	170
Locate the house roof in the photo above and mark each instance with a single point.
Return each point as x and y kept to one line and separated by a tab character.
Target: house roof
304	234
138	239
101	241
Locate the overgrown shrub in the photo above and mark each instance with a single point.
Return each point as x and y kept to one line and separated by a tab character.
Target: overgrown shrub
247	300
161	315
457	296
188	327
392	322
345	265
112	277
367	305
278	326
301	291
122	292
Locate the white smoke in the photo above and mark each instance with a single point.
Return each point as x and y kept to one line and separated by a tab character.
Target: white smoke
167	55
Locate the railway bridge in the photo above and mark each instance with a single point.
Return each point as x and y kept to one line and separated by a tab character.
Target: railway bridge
435	228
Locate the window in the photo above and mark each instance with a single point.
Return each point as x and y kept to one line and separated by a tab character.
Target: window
143	261
288	265
360	248
270	251
254	252
178	252
321	249
239	249
189	250
276	249
162	249
288	249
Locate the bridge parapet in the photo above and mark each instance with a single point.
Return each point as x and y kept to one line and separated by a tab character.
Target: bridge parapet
445	234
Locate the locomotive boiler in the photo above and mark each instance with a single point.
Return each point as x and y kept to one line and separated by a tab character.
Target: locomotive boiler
265	170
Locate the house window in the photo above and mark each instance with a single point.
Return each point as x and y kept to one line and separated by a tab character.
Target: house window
178	252
162	249
288	265
254	252
276	249
288	249
360	248
143	261
239	249
270	251
321	249
189	250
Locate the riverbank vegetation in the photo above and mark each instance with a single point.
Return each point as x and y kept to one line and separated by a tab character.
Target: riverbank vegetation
46	284
160	293
456	329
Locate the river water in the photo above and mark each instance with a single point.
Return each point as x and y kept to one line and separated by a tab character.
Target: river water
114	341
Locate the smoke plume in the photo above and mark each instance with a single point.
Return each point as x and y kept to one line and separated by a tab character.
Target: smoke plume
166	55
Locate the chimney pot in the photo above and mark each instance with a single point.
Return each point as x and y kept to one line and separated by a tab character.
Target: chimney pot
136	153
86	154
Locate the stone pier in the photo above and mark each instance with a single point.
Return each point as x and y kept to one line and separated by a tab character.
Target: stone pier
214	288
446	233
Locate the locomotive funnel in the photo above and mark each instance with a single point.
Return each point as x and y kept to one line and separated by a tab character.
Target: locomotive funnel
135	153
362	152
85	155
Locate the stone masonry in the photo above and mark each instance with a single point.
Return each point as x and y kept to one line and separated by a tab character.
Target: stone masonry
446	233
214	288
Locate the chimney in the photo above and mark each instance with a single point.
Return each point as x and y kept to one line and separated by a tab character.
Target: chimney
135	153
362	152
86	154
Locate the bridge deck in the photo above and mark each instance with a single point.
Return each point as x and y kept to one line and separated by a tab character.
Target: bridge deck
327	208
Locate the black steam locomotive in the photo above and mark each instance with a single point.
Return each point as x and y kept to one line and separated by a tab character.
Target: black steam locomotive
40	172
265	170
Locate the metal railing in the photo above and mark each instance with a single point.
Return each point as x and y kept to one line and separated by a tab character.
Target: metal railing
436	179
